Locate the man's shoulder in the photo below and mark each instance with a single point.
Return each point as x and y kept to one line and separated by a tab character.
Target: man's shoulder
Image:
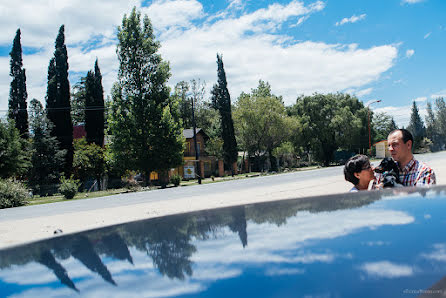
422	166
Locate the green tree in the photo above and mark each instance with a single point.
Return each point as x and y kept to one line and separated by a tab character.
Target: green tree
78	102
94	107
382	124
262	123
330	122
416	126
46	156
147	133
17	92
88	161
14	160
221	101
180	93
440	121
58	99
432	132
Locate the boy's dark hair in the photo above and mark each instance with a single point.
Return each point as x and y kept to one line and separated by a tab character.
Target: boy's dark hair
354	165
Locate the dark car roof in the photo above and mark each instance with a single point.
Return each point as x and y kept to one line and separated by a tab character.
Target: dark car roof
367	244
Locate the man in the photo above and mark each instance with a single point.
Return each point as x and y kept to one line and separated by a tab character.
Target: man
412	172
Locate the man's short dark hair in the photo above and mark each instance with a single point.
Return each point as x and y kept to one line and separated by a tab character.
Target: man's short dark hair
407	136
354	165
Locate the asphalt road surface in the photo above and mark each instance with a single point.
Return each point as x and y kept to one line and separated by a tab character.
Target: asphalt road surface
29	223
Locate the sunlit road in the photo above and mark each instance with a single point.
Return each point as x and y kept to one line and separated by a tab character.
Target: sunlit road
227	187
28	223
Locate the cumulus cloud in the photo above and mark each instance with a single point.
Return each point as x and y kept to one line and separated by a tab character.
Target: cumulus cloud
409	53
252	44
420	99
438	254
364	92
352	19
401	114
411	1
438	94
386	269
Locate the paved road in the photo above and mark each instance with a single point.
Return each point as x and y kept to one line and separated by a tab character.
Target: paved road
29	223
226	187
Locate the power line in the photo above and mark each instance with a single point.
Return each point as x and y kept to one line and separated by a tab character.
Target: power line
97	108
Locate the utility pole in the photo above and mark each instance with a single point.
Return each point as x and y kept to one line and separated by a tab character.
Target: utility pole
368	110
197	155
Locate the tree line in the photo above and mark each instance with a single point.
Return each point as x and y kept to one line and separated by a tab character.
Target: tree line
143	119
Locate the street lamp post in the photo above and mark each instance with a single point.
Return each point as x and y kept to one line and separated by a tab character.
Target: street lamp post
368	110
197	154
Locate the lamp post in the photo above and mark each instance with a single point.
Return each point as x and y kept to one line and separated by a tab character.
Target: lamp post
197	154
368	110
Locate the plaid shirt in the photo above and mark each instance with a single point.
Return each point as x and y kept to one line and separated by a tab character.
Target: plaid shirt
415	173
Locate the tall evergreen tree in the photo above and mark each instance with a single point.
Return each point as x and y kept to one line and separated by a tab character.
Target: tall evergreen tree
416	126
144	122
94	106
431	128
46	155
440	120
221	101
17	93
58	99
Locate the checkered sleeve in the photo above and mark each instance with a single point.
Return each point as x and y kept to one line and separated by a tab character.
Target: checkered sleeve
426	177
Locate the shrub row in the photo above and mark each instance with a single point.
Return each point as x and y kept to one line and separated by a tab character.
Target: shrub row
12	194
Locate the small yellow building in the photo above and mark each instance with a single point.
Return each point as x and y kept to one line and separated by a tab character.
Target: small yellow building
382	149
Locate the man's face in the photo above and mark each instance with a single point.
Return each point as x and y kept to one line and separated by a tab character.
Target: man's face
399	150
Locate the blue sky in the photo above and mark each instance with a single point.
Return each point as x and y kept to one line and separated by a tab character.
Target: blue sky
393	50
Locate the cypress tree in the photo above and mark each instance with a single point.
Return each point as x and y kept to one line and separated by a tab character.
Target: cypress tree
221	101
58	99
17	92
94	106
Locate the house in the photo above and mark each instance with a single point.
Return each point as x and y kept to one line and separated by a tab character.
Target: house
209	165
382	149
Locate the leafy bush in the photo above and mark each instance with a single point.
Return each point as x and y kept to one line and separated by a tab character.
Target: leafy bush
12	194
175	179
68	187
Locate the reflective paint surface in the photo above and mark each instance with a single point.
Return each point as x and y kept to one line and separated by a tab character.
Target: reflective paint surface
367	244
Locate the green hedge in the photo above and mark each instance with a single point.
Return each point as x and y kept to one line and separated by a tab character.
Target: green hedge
12	194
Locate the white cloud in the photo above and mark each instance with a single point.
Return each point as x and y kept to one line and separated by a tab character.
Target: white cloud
409	53
236	4
251	43
283	271
411	1
364	92
427	35
165	14
376	243
352	19
439	253
401	114
420	99
386	269
438	94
